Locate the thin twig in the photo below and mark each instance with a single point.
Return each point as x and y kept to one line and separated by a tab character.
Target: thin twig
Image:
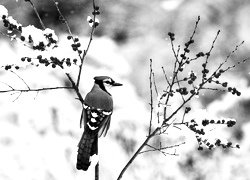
75	88
156	91
151	98
165	75
157	94
21	79
62	17
208	54
87	49
228	56
84	55
195	28
214	89
97	165
183	117
17	96
233	51
160	149
238	63
7	85
36	95
37	14
38	89
64	20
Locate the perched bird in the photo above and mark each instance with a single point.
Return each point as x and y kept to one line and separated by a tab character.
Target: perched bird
96	115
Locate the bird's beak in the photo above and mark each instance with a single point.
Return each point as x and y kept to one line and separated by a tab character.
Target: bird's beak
116	84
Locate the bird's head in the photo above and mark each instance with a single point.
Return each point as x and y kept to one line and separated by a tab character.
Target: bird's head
105	82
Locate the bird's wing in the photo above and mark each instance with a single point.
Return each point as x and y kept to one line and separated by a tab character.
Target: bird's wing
96	120
83	116
105	127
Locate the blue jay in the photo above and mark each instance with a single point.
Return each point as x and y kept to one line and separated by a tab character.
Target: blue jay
96	115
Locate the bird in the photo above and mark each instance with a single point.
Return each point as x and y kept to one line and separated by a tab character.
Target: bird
96	116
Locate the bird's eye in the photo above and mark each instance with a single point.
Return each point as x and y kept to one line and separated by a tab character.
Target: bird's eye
108	81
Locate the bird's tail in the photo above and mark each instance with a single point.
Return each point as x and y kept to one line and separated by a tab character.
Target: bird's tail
86	148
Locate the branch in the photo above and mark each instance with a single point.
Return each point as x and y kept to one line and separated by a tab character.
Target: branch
95	13
62	18
37	14
151	98
20	78
20	93
97	165
84	55
39	89
165	75
160	149
75	88
137	153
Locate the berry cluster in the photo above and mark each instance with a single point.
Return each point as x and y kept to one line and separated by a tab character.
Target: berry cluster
11	24
36	39
228	122
216	75
76	45
200	54
9	66
41	46
217	143
234	91
53	61
182	91
192	77
186	49
172	36
193	126
205	141
187	109
200	133
94	22
96	10
226	145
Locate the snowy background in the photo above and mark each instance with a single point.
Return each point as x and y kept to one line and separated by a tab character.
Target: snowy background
39	132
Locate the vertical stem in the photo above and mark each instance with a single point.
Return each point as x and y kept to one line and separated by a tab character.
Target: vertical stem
151	99
37	14
97	165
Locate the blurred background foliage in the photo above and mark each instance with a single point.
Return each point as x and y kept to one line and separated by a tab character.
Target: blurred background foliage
39	132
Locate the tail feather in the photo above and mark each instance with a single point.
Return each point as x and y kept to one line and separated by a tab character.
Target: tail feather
86	148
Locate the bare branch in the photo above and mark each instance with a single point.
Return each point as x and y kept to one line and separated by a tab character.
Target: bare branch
62	18
161	149
85	53
20	78
8	85
165	75
156	91
38	89
17	96
37	14
75	88
151	98
97	165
